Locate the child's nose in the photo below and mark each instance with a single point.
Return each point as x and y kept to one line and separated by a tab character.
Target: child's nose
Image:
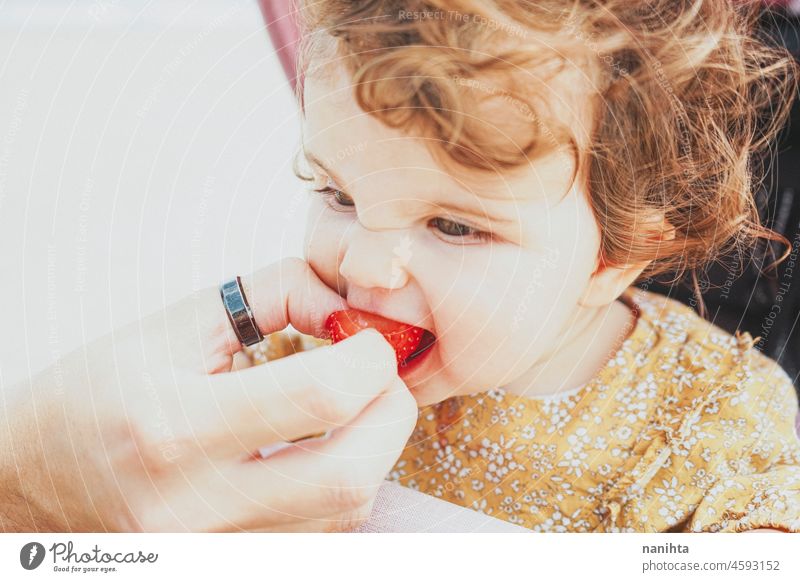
376	259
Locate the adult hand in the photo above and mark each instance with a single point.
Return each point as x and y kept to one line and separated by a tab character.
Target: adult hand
147	429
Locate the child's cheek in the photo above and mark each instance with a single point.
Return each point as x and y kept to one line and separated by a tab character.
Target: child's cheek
478	294
502	312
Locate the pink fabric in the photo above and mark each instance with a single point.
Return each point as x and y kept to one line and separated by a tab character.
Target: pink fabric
401	510
280	16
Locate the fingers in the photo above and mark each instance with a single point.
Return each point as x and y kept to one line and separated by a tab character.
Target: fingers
197	334
327	484
290	292
307	393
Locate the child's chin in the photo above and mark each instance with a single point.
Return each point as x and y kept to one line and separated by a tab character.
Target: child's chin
430	391
427	379
426	395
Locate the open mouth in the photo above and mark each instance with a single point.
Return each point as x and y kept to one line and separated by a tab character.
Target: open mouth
426	343
411	343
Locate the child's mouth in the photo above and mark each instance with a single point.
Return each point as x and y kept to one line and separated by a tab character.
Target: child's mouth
411	343
415	359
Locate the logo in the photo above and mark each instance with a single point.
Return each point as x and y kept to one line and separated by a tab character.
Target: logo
402	255
31	555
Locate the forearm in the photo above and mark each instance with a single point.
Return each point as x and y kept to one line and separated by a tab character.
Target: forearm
18	510
52	474
14	515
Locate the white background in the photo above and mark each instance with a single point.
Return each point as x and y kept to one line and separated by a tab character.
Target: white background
428	557
145	151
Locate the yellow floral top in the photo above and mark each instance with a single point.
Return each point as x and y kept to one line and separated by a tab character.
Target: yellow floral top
686	428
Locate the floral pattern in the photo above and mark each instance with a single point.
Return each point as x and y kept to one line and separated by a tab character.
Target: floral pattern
686	428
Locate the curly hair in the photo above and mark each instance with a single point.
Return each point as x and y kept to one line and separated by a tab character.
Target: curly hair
686	97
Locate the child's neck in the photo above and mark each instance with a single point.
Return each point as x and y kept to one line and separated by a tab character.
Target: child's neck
592	337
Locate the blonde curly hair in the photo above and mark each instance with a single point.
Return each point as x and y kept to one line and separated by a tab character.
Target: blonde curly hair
687	99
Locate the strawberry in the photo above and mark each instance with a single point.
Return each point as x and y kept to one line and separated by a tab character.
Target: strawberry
404	338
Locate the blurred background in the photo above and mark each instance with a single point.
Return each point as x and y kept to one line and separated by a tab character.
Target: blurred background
145	151
748	294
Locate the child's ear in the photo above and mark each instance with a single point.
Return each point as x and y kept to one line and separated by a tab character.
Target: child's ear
609	281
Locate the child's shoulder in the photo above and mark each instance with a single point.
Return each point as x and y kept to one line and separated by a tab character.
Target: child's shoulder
699	358
722	432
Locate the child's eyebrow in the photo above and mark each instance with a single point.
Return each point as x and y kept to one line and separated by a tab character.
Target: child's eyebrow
481	215
311	157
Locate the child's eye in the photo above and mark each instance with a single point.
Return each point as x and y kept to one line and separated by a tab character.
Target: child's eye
456	229
340	201
335	197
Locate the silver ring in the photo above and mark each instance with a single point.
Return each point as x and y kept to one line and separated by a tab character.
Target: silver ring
239	313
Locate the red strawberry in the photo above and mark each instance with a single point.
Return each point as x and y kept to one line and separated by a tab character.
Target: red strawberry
404	338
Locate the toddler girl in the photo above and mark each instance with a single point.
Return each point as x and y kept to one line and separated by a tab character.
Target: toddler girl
500	173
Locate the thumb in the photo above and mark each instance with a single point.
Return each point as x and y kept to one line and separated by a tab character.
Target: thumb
290	292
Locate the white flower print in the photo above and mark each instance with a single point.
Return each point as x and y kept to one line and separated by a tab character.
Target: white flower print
574	458
670	496
551	464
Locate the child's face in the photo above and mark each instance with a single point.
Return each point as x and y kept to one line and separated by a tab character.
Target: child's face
494	268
